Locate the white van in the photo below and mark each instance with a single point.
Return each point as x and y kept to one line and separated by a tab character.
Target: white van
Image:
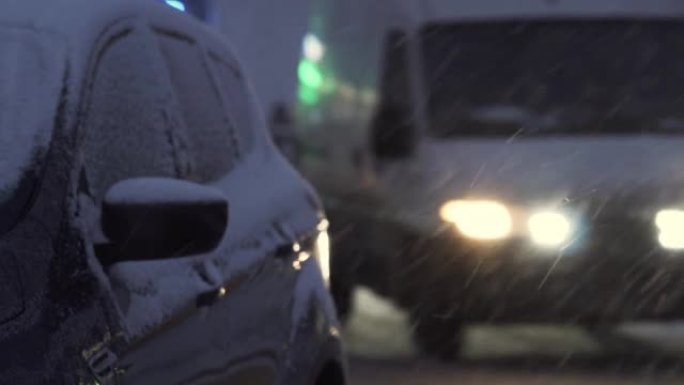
486	161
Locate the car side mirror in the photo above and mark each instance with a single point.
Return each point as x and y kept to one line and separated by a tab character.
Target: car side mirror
392	133
161	218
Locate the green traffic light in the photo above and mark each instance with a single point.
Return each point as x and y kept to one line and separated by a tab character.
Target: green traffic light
309	74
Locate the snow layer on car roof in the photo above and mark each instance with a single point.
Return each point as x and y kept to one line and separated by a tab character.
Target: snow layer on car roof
80	20
81	23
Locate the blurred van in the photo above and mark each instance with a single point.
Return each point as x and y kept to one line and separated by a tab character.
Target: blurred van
484	161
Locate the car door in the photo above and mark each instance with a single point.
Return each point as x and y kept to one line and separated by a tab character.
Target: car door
218	133
128	124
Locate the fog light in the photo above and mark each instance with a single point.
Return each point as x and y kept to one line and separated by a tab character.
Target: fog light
549	229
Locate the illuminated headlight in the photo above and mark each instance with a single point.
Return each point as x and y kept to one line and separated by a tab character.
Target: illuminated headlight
322	250
549	228
670	223
478	219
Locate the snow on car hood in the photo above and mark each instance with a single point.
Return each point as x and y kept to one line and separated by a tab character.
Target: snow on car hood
31	71
549	168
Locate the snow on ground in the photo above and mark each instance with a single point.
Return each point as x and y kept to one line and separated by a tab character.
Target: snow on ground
377	328
381	351
365	372
668	337
380	329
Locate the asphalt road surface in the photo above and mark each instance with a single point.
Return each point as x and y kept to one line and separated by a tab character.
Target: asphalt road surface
379	344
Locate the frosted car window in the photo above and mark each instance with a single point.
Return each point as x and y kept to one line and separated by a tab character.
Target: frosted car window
127	127
31	73
210	133
236	98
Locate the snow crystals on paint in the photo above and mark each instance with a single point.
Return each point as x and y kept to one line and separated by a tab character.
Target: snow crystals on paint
31	74
269	208
161	190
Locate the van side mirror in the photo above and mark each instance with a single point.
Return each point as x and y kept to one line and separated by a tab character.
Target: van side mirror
161	218
393	134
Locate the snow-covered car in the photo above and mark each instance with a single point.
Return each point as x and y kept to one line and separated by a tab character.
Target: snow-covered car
150	233
522	164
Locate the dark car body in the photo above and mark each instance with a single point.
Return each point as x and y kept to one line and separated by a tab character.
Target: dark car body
149	230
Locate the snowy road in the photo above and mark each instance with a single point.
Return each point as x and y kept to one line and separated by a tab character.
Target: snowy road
378	341
425	373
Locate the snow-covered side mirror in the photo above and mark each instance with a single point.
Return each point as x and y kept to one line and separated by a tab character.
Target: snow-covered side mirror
161	218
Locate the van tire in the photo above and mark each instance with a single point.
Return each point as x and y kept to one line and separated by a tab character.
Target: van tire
438	336
331	374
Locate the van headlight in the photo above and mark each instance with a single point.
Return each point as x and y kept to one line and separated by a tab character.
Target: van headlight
478	219
670	224
549	228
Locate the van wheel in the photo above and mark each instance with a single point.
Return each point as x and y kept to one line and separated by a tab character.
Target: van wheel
332	374
438	336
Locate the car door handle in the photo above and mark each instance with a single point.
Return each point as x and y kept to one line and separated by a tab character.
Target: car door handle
212	296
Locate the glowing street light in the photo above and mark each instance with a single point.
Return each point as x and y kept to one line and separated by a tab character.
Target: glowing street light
314	49
176	4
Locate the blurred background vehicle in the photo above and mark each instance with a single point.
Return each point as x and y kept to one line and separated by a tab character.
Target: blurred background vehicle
150	232
494	162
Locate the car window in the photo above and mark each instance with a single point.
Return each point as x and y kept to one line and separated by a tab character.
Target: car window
126	123
579	77
236	98
212	141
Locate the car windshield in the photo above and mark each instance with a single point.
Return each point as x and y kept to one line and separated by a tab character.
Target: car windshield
31	70
581	77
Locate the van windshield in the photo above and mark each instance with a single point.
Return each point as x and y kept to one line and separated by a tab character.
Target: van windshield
31	71
554	77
